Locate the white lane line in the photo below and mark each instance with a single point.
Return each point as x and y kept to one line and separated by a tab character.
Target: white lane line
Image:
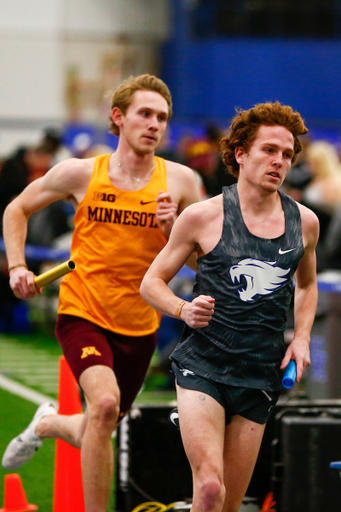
26	367
28	355
25	364
31	378
24	392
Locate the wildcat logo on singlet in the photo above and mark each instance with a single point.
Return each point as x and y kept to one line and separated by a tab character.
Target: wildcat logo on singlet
262	278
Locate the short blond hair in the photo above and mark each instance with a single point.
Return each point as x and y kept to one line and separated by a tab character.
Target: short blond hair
245	125
123	95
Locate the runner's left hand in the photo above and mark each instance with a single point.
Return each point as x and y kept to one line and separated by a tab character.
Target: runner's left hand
299	351
166	212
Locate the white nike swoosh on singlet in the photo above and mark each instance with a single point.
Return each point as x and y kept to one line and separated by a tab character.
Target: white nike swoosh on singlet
284	252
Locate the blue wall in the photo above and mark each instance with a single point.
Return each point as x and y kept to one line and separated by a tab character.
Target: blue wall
208	79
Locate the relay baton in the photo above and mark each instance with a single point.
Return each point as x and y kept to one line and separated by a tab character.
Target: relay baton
289	376
53	274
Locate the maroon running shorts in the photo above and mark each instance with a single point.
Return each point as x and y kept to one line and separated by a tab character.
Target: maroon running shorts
85	344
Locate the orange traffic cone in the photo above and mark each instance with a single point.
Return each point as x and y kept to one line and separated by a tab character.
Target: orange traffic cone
14	497
68	487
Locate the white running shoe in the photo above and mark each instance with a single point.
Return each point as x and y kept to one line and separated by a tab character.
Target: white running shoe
22	448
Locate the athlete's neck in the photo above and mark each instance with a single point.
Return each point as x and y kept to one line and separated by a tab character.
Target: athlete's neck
257	201
131	171
263	216
138	164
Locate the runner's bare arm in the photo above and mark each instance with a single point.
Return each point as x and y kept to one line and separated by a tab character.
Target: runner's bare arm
305	295
67	180
154	288
182	191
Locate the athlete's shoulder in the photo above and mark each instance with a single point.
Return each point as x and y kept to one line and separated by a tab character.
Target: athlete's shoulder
204	211
307	215
310	223
182	184
73	166
72	174
179	170
76	165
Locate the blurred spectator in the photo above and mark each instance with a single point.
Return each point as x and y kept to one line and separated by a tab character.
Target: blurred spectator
221	178
324	191
296	183
299	175
25	166
169	151
53	139
203	155
19	170
333	242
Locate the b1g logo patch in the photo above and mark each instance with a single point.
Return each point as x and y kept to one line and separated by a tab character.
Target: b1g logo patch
261	277
101	196
90	351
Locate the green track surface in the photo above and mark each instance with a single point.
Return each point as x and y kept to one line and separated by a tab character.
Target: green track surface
33	360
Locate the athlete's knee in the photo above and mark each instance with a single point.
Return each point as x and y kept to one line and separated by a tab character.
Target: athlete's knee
211	493
105	411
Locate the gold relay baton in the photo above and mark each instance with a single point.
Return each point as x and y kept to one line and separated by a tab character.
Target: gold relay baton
53	274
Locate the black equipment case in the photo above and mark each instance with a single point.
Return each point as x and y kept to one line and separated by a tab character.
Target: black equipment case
301	439
306	440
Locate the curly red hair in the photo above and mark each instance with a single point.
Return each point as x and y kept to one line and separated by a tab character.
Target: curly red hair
244	128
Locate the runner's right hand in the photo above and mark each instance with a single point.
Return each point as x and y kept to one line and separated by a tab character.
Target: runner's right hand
22	284
199	312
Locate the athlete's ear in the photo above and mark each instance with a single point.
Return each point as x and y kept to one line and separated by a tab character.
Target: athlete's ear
239	154
117	116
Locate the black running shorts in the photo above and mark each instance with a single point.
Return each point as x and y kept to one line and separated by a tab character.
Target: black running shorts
253	404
